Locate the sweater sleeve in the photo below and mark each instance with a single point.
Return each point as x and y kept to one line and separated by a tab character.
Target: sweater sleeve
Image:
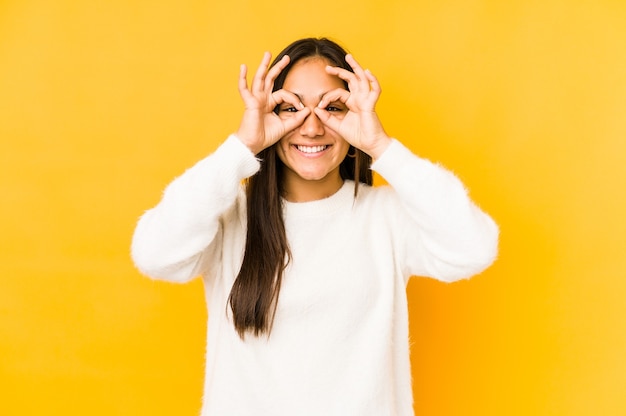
170	238
447	236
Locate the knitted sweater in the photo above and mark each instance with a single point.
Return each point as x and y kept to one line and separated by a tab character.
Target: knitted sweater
339	344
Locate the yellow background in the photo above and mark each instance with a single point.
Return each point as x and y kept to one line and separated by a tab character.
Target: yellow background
102	103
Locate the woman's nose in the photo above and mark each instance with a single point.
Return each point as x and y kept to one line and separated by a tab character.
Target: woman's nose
312	126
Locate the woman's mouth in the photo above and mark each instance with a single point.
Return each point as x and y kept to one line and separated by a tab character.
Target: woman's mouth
311	149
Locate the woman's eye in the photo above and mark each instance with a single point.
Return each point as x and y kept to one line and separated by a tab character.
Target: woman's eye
332	108
289	109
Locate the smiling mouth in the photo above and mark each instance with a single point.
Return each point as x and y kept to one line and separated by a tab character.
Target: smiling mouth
312	149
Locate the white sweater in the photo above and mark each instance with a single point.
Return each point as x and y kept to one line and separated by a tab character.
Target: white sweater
339	345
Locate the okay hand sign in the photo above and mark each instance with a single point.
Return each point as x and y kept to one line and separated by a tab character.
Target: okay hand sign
260	127
360	126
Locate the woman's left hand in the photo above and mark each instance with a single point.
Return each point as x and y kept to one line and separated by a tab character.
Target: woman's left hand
360	126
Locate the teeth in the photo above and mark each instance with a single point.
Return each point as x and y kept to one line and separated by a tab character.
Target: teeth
311	149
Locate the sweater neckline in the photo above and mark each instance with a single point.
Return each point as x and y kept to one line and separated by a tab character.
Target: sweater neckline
321	207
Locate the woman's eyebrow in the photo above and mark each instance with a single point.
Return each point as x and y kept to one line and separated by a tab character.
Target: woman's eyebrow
301	98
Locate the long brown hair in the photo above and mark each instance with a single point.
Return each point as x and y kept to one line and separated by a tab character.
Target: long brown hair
254	295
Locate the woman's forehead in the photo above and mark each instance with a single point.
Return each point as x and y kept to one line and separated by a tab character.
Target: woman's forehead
308	79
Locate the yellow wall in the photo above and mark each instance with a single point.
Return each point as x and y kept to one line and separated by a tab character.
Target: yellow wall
102	103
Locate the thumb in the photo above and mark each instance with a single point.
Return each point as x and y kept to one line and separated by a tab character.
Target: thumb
295	121
326	118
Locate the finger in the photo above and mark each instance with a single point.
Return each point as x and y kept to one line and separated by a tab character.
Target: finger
258	81
360	73
275	71
338	94
283	96
373	82
354	82
243	83
358	70
342	73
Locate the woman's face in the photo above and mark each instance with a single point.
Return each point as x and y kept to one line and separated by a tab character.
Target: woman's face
312	152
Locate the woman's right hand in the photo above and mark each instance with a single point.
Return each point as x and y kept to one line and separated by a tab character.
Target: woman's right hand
260	127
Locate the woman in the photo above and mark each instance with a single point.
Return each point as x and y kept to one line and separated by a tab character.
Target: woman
305	264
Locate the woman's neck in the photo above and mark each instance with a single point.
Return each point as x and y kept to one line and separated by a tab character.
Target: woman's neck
297	189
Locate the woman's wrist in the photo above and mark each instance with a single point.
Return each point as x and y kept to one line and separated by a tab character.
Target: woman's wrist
246	143
379	147
252	145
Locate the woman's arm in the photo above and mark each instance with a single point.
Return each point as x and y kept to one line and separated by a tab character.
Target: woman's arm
447	236
170	238
450	238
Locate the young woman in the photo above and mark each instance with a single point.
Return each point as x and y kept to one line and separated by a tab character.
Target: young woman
305	264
